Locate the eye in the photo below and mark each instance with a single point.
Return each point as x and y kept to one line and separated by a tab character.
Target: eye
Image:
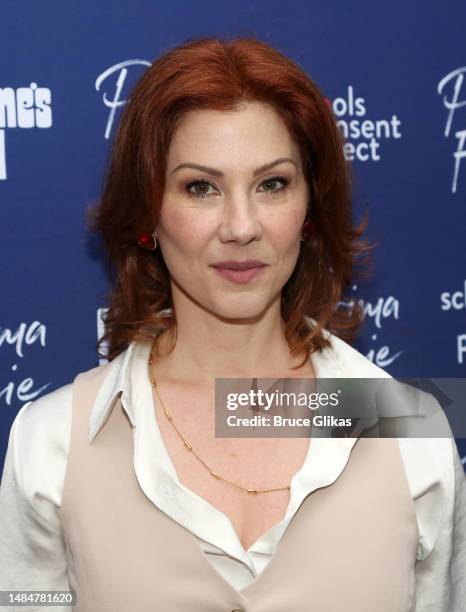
273	180
201	187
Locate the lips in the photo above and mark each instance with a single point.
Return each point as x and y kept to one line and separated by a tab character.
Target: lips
239	265
240	272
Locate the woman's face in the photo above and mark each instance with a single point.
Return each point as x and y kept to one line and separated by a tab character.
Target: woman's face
235	190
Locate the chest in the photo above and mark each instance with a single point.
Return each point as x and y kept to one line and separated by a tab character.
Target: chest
259	463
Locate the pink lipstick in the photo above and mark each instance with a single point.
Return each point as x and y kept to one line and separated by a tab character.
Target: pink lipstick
240	271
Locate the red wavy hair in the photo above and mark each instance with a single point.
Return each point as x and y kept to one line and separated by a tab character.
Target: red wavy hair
210	73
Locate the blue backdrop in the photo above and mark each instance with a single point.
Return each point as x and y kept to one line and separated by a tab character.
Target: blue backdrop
395	77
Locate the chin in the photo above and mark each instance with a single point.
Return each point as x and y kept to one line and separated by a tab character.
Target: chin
238	308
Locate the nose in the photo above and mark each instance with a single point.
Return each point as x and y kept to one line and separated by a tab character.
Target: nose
240	220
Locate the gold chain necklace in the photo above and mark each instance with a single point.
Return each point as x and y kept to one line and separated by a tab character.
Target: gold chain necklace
188	445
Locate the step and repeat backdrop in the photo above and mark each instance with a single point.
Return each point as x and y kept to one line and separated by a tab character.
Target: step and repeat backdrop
395	77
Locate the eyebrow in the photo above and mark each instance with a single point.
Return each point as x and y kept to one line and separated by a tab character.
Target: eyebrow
215	172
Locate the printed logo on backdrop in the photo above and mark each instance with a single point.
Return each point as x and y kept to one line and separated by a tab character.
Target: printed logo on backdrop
14	343
113	81
363	136
452	88
456	301
23	108
384	308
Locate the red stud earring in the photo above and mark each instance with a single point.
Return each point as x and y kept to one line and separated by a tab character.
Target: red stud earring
148	241
307	230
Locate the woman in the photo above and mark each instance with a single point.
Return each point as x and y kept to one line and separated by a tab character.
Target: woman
226	214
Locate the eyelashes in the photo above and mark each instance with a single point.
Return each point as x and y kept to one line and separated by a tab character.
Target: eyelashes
205	184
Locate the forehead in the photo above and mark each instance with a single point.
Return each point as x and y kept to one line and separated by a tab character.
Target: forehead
255	132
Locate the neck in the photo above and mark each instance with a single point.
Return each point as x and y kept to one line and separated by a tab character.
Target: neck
209	347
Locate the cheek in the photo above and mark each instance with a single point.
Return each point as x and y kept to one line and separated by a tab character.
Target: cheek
284	231
183	233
